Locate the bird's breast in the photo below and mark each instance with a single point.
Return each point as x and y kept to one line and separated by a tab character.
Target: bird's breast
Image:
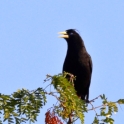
76	65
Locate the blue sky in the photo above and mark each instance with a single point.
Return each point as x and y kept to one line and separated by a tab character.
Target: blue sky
30	47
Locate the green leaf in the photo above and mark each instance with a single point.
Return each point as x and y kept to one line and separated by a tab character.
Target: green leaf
120	101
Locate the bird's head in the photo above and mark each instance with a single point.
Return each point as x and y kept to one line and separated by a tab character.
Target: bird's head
68	34
71	36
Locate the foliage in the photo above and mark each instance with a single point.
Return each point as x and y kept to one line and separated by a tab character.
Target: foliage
106	110
24	105
69	103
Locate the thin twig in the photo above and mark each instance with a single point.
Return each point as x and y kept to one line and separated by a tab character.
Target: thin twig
51	93
120	107
76	119
94	99
47	86
96	107
93	108
48	77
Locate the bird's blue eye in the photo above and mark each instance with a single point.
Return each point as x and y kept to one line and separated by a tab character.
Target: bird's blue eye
71	33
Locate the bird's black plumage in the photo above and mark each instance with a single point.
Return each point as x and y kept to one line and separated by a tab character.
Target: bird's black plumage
78	62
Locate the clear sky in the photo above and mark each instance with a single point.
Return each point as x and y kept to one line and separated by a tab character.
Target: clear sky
30	47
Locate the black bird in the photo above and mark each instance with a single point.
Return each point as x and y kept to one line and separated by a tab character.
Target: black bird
78	62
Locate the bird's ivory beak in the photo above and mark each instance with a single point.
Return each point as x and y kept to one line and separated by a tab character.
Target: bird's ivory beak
63	34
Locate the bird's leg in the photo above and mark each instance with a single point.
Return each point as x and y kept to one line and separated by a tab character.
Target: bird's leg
87	101
71	78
